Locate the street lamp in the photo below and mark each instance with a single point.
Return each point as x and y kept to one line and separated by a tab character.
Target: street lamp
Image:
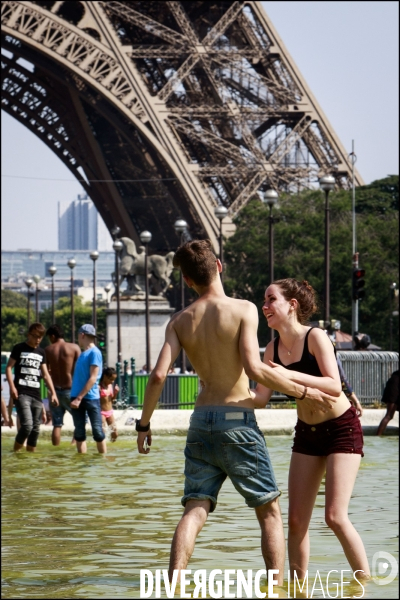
221	212
180	227
270	197
28	283
327	183
107	290
94	256
52	271
72	263
145	238
36	279
118	245
393	290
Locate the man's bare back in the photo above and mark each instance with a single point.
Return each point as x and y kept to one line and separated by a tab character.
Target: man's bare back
61	357
209	331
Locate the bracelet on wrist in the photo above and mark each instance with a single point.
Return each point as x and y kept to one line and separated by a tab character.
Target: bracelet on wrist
304	394
142	428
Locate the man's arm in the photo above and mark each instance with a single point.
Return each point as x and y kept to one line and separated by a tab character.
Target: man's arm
167	356
10	379
262	373
94	373
49	382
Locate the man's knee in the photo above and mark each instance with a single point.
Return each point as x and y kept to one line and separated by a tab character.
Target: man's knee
197	510
269	510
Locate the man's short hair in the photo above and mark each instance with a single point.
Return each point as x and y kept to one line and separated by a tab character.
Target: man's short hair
37	327
56	331
197	261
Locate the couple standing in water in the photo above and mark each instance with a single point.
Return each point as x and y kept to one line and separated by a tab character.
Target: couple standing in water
219	336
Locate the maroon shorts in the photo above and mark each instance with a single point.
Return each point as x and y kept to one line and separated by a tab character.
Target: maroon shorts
341	435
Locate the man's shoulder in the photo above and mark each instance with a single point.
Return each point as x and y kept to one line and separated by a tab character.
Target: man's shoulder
244	307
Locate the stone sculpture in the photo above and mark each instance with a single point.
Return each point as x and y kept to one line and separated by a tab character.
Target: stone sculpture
132	268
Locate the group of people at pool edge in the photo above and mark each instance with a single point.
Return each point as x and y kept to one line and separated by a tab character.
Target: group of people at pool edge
219	336
71	377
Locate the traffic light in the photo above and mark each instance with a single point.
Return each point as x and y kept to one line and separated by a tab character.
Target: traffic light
358	284
101	338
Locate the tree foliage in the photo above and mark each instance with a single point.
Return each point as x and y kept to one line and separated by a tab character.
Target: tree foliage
12	299
299	239
13	321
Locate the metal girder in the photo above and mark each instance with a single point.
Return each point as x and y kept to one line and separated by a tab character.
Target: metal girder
204	95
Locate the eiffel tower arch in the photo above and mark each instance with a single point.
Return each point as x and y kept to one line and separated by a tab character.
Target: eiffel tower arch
166	109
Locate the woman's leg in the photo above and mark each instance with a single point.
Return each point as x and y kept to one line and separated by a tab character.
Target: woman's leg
341	472
305	477
114	432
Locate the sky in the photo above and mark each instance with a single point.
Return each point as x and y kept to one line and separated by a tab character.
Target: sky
346	51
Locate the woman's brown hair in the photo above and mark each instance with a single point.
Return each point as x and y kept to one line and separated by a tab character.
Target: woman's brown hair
301	291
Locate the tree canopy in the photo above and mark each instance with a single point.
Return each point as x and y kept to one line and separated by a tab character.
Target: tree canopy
299	238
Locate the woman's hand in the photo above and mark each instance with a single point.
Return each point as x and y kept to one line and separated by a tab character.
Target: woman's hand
356	403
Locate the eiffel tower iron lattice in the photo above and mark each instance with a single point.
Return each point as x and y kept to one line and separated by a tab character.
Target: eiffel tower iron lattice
166	109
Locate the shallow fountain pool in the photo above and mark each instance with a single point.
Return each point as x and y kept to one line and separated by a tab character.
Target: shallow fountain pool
82	526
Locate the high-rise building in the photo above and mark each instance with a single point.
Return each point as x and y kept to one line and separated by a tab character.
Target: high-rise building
80	227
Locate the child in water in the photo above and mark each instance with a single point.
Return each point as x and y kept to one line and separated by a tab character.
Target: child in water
108	395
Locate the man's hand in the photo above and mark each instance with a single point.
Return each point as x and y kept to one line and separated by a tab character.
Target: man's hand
280	369
144	441
316	400
76	402
44	416
13	392
54	400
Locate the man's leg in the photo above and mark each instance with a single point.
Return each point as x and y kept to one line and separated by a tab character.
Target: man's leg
23	406
37	409
272	536
78	416
189	527
391	409
94	413
56	436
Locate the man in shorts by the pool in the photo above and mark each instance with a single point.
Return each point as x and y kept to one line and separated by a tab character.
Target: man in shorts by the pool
61	358
219	335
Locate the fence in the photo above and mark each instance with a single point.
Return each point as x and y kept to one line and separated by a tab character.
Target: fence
367	372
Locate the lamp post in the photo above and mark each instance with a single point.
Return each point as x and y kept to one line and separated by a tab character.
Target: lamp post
180	227
221	212
393	287
52	271
28	283
327	183
72	263
94	256
270	197
107	290
145	238
36	279
118	245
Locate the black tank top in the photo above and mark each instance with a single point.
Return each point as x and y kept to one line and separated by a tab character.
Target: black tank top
307	364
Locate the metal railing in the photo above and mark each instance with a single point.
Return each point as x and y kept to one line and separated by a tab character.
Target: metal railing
367	372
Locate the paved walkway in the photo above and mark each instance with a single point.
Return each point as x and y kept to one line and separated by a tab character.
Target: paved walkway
274	421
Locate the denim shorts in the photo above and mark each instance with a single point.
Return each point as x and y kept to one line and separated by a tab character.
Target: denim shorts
58	412
225	441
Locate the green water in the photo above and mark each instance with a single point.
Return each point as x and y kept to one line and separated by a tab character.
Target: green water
82	526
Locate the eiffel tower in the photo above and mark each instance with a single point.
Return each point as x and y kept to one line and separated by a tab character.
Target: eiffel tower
166	109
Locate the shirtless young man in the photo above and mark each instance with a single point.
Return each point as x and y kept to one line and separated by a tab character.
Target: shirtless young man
219	336
61	357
